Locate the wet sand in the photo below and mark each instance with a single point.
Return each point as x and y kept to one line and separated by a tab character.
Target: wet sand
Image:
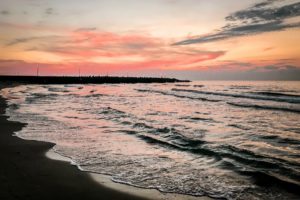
26	173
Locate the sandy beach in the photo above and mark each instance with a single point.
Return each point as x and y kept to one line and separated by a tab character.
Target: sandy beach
32	171
26	173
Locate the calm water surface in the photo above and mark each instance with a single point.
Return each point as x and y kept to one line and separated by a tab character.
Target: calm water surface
233	140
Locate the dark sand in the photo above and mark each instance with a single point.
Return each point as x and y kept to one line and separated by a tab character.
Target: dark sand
26	173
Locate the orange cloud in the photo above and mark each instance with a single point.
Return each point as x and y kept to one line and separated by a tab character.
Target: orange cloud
116	51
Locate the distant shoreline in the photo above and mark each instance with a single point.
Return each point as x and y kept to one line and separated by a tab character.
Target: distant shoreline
86	79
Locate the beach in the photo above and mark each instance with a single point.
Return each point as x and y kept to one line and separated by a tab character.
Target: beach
27	172
157	100
125	141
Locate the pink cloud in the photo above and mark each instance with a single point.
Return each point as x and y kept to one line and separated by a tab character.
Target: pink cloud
119	52
18	67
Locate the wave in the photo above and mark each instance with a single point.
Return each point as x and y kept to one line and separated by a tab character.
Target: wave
246	162
276	94
181	85
177	95
239	126
171	139
58	90
245	96
264	107
36	96
240	87
95	95
110	110
242	161
280	140
295	130
198	119
142	125
14	106
199	86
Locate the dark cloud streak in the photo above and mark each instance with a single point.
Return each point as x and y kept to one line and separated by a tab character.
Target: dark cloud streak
28	39
263	17
86	29
262	14
4	12
49	11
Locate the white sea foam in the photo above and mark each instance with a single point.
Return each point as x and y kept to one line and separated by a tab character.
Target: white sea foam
171	140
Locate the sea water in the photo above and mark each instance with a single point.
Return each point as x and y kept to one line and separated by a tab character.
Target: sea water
232	140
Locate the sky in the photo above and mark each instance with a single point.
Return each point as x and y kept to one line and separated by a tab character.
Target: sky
186	39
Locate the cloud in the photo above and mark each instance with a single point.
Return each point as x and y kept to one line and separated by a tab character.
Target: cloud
85	29
268	49
130	50
11	62
87	42
271	71
88	39
29	39
15	67
260	13
281	69
49	11
4	12
150	50
263	17
20	40
277	67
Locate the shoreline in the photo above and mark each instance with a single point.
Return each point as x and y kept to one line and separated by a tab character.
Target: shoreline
32	171
107	182
28	174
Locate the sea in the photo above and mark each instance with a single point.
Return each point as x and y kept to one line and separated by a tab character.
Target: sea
222	139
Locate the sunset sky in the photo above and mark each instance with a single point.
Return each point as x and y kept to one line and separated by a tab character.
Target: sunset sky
190	39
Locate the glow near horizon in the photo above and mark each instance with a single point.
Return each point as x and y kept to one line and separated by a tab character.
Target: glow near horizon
136	37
